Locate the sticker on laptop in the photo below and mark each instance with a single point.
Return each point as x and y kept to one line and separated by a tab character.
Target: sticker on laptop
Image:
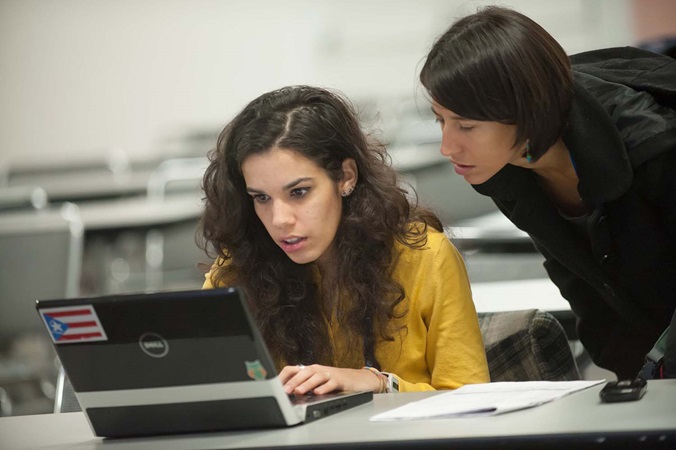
255	370
73	324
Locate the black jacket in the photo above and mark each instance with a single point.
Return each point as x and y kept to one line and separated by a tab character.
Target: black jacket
620	277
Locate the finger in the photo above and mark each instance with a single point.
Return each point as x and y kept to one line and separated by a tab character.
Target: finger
330	385
287	373
317	379
298	375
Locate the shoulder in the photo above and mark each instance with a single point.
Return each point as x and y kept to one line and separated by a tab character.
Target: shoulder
437	241
436	247
433	274
639	69
620	57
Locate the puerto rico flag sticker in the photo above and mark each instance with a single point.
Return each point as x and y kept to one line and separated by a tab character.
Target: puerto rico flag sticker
73	324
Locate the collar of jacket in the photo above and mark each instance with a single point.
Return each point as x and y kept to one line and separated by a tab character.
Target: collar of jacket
605	173
595	145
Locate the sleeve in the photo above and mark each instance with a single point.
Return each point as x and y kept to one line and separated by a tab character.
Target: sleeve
611	342
208	284
208	277
663	187
667	189
454	352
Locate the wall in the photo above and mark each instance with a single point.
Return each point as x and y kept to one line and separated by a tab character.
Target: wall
79	77
653	19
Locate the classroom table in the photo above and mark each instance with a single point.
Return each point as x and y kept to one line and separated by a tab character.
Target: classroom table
537	293
579	420
139	212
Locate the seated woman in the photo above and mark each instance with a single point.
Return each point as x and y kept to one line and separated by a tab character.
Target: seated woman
344	273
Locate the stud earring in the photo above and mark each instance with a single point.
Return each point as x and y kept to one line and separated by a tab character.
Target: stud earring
529	157
348	191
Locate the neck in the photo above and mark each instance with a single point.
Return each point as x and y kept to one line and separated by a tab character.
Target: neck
555	166
559	179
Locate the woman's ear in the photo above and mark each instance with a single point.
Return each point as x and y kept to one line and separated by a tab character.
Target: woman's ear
350	177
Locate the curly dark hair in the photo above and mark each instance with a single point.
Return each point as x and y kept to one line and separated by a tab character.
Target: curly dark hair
285	297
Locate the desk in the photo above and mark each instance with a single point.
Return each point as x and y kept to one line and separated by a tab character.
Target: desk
132	212
88	184
139	212
538	293
94	175
491	225
572	421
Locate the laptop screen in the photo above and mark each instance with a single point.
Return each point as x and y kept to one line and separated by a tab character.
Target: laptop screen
156	340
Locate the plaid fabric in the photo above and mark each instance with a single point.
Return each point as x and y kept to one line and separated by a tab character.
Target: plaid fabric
525	346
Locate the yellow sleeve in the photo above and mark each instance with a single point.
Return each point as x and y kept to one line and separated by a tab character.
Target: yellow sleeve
443	324
207	278
208	281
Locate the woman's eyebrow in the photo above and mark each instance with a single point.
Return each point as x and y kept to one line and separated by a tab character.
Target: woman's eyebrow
296	182
286	187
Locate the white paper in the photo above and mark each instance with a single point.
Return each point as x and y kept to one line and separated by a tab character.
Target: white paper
485	399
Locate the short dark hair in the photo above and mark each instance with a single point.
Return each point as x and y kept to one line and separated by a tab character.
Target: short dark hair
499	65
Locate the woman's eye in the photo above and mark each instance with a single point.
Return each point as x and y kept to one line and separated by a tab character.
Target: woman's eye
299	192
465	127
439	120
260	198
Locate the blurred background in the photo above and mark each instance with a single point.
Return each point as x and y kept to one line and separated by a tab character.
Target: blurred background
108	109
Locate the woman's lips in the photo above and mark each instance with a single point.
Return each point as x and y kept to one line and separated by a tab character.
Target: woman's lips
292	245
461	169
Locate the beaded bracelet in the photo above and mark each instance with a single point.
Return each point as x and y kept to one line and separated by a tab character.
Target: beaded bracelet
383	380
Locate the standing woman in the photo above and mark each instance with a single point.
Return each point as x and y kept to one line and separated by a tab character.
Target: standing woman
343	273
582	157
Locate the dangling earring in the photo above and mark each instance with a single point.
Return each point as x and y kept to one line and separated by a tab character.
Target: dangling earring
529	157
348	191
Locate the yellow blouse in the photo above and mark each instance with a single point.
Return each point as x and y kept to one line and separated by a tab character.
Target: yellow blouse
441	345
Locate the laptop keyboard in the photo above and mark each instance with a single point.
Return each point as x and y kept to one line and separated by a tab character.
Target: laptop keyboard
300	399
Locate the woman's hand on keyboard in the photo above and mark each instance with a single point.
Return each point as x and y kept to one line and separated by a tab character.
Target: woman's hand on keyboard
319	379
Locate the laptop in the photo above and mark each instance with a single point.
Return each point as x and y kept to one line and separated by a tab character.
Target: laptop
175	362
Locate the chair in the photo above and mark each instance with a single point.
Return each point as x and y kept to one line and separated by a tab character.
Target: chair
103	175
40	257
528	345
171	252
176	175
22	197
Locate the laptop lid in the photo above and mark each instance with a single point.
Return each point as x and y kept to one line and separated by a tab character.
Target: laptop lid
169	362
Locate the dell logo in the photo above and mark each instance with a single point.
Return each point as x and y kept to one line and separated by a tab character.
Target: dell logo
153	345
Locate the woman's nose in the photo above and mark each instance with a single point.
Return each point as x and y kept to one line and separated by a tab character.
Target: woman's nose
448	146
282	214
